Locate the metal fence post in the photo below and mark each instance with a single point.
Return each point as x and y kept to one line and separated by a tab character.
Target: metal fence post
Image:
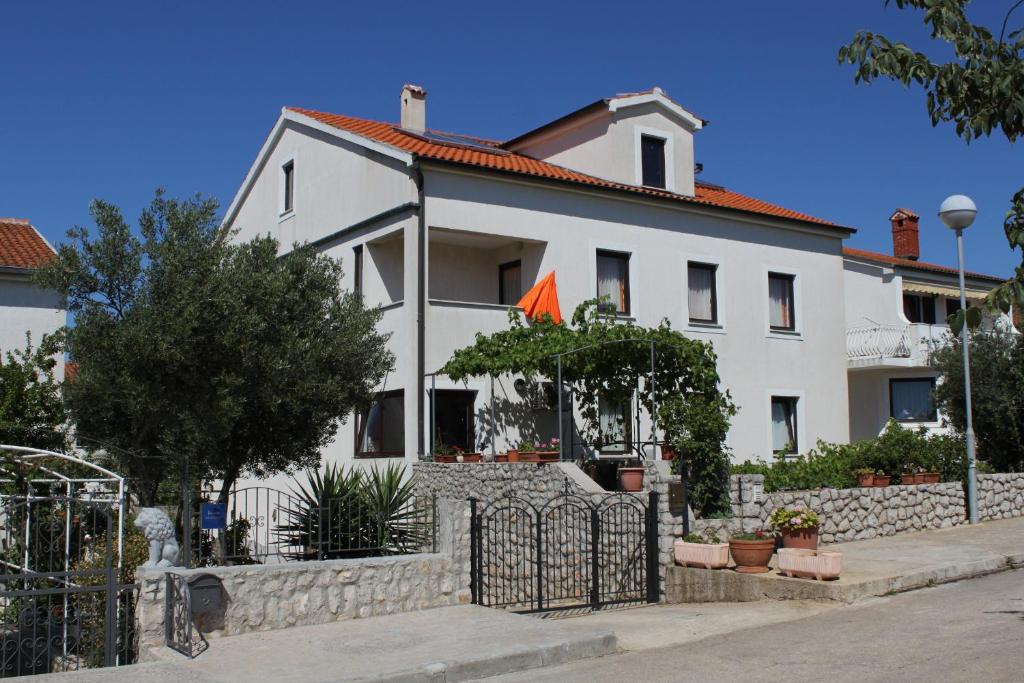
540	562
652	549
110	632
595	564
474	533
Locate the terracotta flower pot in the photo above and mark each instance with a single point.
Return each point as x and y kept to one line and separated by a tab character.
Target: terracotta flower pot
528	456
882	480
800	538
707	555
469	457
751	557
811	564
443	458
865	480
910	479
929	478
513	455
548	456
631	479
501	457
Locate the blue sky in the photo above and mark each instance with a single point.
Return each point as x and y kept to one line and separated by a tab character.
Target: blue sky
113	99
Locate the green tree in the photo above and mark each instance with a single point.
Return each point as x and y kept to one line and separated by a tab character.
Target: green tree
193	346
997	390
31	408
981	90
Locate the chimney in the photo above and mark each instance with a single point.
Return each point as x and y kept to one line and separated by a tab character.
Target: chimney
414	108
905	242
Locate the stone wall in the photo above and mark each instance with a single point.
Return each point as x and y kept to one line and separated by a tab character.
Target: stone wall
1000	496
273	596
848	514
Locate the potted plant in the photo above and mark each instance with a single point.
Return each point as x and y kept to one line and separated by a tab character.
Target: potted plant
810	564
928	478
701	550
513	455
911	478
752	551
501	457
865	476
547	452
527	451
463	456
444	453
798	526
631	478
882	479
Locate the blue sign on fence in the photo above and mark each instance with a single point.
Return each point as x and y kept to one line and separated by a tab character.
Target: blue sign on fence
213	515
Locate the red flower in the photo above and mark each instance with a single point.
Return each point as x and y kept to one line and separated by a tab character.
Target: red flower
759	533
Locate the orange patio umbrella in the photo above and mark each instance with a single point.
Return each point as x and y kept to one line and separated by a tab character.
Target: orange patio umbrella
543	298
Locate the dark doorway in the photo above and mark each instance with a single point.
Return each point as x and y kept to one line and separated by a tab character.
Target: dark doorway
453	419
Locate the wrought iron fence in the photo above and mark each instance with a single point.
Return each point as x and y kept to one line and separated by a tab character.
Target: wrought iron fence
180	632
267	526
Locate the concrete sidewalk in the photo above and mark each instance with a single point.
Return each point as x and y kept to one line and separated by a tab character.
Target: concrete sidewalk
444	644
879	566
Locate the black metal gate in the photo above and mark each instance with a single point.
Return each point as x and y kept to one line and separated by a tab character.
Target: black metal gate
63	606
575	552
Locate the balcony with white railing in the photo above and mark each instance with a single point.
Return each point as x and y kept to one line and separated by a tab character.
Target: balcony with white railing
873	345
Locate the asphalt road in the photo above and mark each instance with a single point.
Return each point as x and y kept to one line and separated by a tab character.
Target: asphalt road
967	631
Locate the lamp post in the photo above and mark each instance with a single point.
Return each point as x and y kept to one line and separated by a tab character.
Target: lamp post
958	212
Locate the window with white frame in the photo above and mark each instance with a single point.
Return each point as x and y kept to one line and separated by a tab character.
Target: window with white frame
380	429
288	186
910	400
613	282
781	302
702	297
784	425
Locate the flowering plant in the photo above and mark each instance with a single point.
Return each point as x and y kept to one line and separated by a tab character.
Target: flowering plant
794	518
548	445
758	535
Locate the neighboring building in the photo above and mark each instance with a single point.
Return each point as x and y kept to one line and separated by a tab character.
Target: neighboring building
446	231
24	306
896	311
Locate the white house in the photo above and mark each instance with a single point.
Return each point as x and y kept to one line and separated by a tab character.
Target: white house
896	311
24	306
445	231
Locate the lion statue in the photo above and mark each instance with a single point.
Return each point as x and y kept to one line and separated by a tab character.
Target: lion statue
159	531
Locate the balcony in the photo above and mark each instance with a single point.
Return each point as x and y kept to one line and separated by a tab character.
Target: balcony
873	345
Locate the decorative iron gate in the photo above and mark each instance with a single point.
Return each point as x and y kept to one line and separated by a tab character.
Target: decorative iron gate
575	552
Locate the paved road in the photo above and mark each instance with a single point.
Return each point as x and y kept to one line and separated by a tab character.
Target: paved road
968	631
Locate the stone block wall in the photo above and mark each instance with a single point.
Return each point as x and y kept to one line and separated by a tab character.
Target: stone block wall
273	596
848	514
1000	496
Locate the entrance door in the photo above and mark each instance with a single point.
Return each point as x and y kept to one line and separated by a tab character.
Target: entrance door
453	419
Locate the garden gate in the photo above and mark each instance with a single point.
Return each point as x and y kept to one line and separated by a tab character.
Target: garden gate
574	552
63	603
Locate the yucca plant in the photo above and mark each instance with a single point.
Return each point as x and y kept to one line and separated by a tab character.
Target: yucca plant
397	525
323	522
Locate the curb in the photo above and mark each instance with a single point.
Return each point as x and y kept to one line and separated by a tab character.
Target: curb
523	659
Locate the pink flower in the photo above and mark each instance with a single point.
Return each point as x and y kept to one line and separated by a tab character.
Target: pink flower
796	521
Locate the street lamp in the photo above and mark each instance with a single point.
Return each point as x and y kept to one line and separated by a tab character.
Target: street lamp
958	212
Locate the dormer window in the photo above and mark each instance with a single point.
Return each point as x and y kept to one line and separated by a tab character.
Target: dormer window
652	161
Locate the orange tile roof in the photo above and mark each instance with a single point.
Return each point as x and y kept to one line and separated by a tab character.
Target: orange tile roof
482	154
915	265
21	245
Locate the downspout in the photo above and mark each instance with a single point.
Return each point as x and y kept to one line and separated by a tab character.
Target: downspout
421	302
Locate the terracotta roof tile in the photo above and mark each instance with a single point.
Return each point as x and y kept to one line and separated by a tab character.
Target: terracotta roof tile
480	153
914	265
21	245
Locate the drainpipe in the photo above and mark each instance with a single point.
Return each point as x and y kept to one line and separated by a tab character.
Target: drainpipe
421	302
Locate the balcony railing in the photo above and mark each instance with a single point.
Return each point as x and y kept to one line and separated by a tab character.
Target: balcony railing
914	342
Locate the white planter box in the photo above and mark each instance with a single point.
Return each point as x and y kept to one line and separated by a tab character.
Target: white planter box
707	555
810	564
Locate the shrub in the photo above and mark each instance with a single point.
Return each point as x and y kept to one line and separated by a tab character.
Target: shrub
708	536
793	518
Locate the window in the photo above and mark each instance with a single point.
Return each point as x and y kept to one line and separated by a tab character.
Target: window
781	304
784	434
702	299
613	421
919	309
613	281
288	171
357	269
952	306
453	419
381	427
652	161
910	400
510	286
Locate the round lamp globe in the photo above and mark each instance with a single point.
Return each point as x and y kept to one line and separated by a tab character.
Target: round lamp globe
957	212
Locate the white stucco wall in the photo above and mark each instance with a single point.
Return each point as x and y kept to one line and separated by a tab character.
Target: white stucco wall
24	307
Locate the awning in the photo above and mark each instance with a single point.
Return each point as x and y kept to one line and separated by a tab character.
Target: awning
543	298
940	290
